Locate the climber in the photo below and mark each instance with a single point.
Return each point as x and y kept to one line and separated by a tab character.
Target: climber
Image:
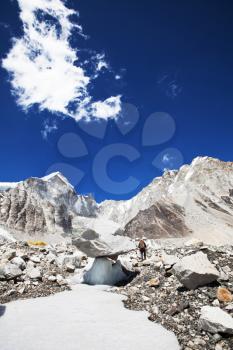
142	248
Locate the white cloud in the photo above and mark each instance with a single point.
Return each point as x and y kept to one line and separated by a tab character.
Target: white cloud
170	85
167	158
45	69
101	63
48	129
105	109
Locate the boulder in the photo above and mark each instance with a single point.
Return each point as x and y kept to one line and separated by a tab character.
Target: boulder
35	259
95	245
170	259
223	277
9	254
34	273
193	242
195	270
9	271
65	259
19	262
51	257
215	320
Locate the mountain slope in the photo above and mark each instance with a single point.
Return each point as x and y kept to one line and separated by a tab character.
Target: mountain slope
42	206
197	199
203	191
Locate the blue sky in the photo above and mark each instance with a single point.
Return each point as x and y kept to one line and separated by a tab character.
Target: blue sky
166	67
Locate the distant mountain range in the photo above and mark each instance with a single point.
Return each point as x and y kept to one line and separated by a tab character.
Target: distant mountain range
195	200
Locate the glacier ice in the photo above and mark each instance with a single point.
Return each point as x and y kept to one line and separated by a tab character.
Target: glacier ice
105	271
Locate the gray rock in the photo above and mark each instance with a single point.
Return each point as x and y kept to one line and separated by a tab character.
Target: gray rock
35	259
195	270
34	273
215	320
60	280
74	259
170	259
52	278
19	262
51	257
9	254
22	290
94	245
229	307
30	265
9	271
70	268
223	276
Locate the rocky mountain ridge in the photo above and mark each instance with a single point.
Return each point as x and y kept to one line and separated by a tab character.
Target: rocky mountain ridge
203	193
197	199
39	206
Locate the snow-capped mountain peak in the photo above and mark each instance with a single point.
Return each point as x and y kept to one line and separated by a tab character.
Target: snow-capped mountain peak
197	199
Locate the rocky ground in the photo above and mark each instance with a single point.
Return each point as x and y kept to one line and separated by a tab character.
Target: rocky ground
157	290
188	289
28	271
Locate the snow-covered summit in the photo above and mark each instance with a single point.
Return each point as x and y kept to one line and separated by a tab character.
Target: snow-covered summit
197	199
57	176
7	185
41	206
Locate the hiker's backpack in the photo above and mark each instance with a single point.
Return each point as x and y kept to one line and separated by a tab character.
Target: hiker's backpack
142	244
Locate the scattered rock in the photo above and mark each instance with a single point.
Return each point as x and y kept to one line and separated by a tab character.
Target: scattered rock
170	260
215	320
176	309
52	278
60	280
195	270
35	259
94	245
70	268
9	254
224	295
34	273
154	282
194	242
223	276
229	307
9	271
216	302
19	262
145	299
22	290
144	263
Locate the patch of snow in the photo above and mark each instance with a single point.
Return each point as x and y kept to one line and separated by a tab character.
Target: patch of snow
86	318
57	175
101	225
5	235
7	185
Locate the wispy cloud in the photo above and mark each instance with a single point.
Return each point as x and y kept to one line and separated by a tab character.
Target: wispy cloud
46	71
170	85
49	127
170	158
4	25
